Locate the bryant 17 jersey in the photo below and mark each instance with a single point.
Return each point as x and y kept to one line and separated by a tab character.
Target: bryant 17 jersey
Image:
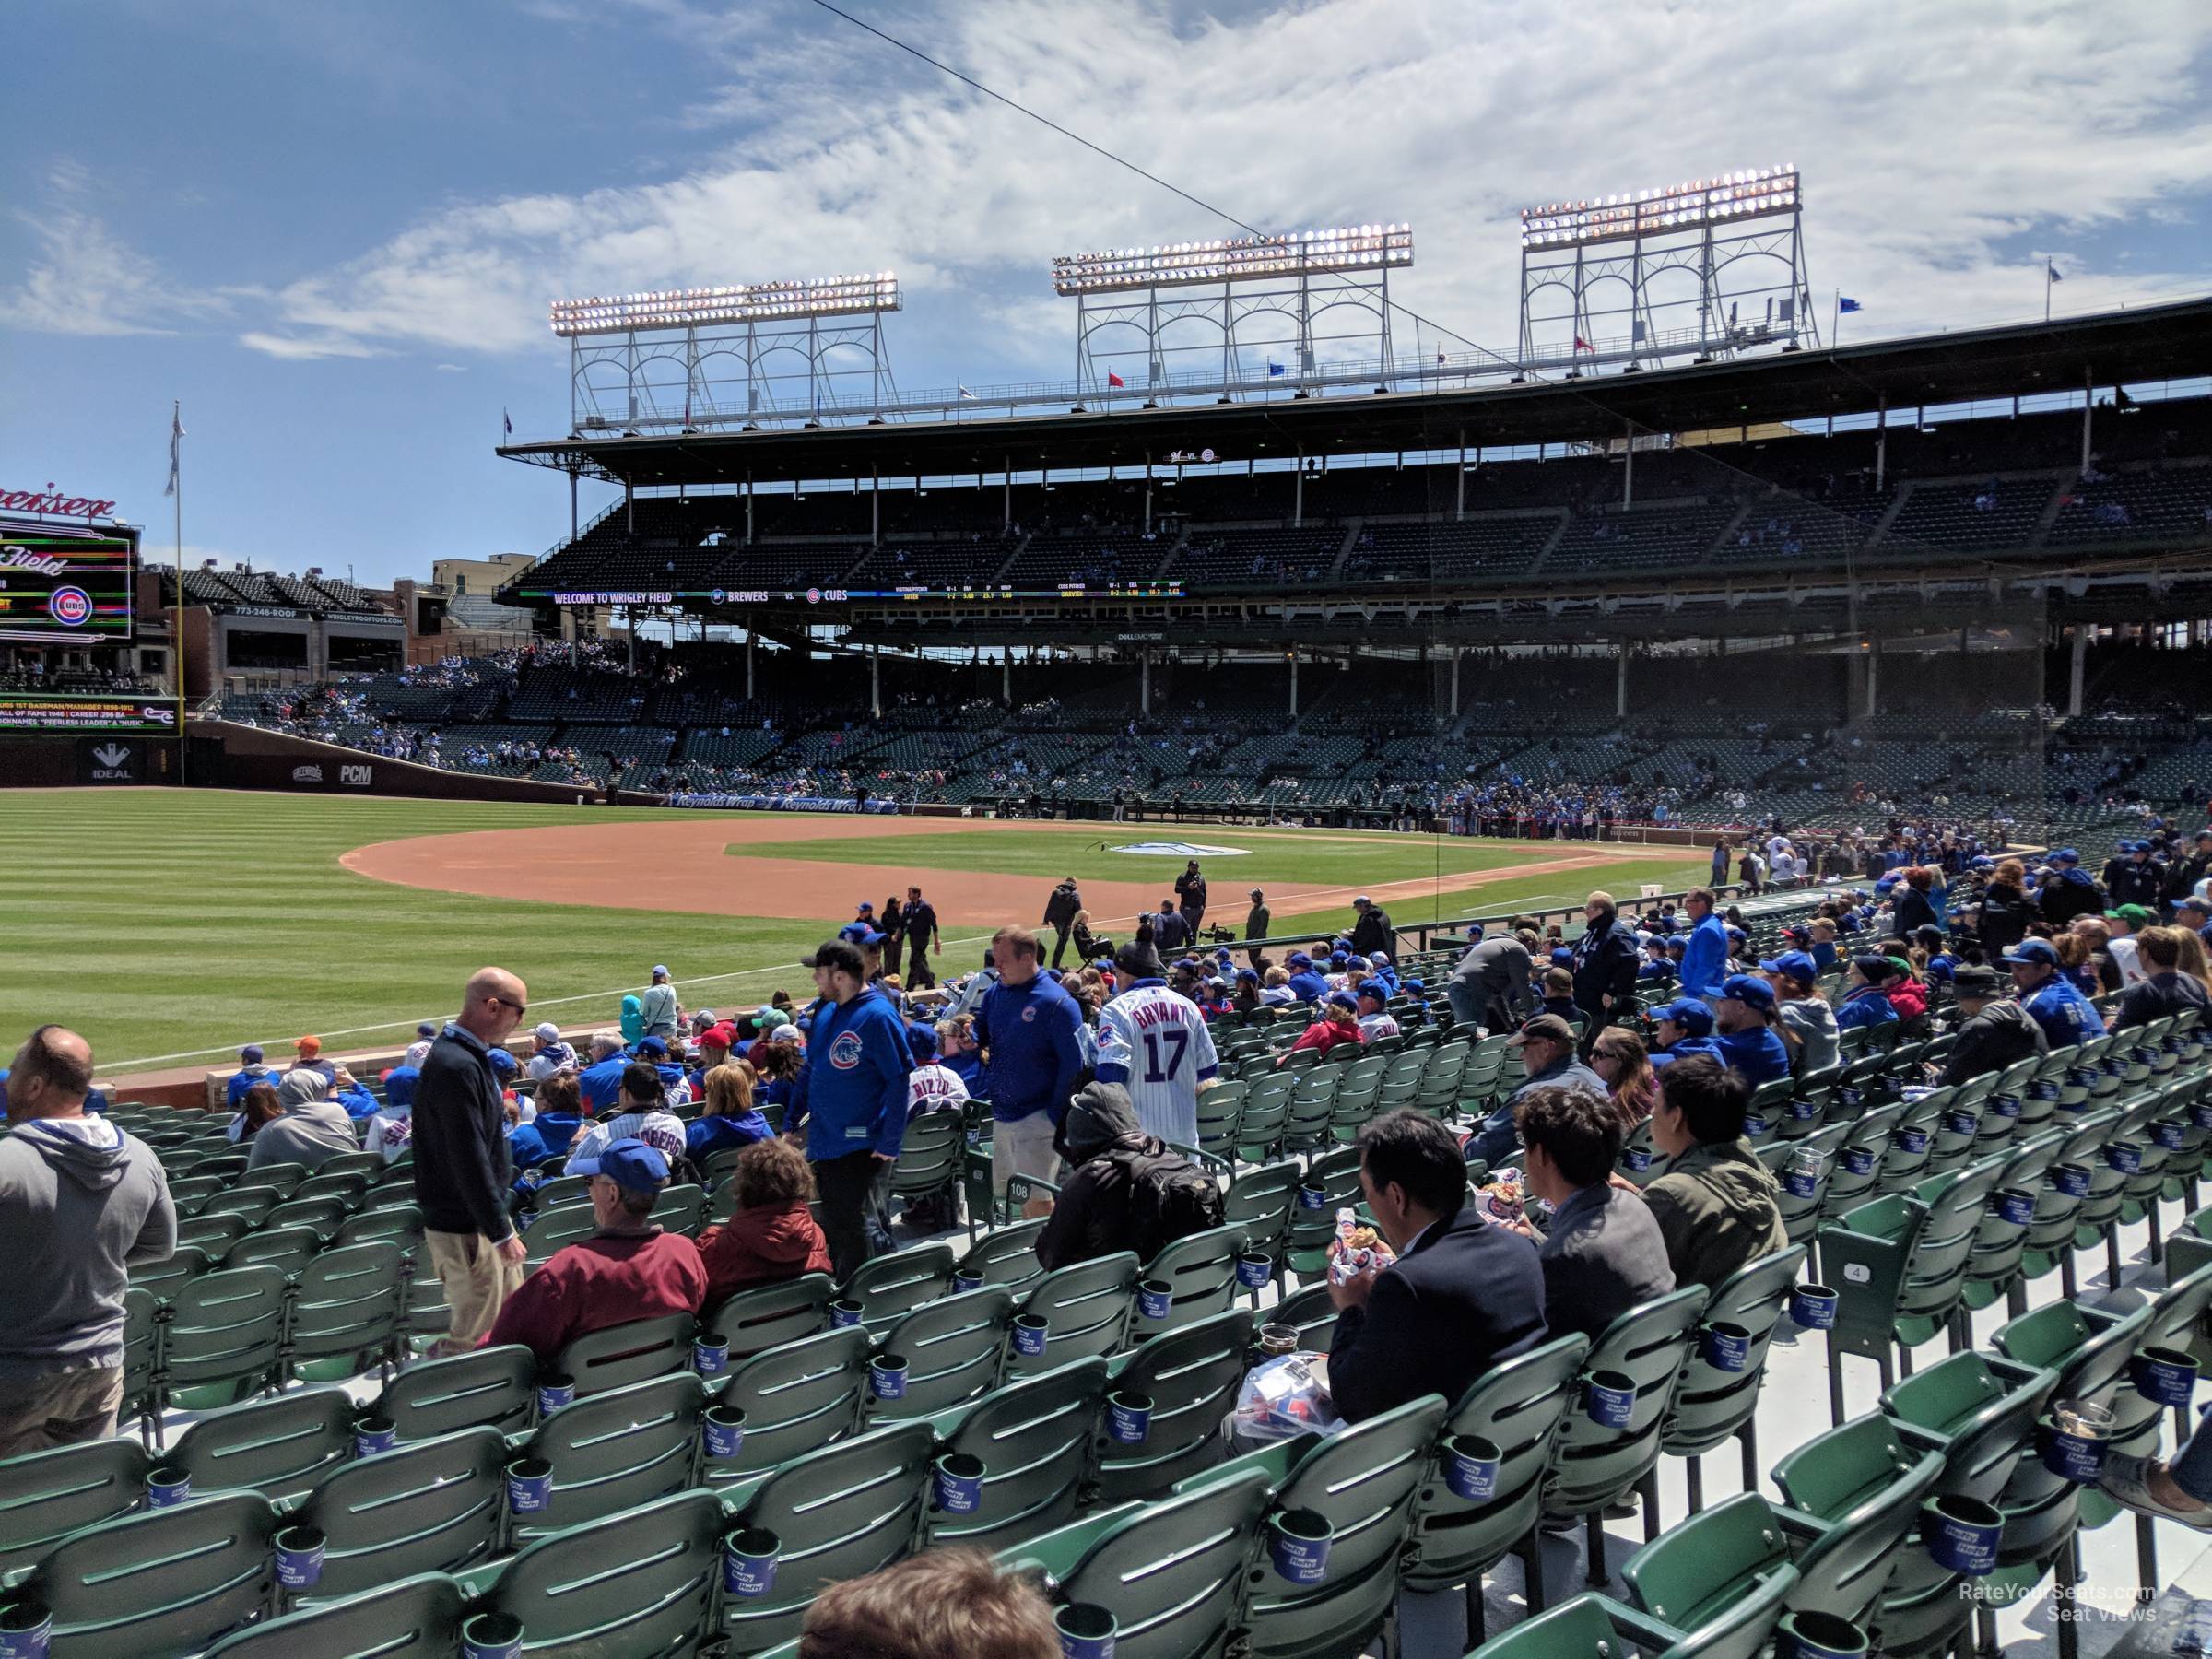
1155	1043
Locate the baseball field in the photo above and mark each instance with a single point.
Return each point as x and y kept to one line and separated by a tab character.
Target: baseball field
172	926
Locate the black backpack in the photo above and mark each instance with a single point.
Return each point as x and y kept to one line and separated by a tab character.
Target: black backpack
1170	1198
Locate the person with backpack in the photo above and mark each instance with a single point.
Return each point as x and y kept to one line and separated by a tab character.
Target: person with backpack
1128	1191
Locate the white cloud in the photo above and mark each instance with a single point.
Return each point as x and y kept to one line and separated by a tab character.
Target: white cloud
450	369
1933	140
87	280
302	349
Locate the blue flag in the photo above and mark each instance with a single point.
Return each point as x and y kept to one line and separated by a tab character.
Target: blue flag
1274	367
2051	271
1845	304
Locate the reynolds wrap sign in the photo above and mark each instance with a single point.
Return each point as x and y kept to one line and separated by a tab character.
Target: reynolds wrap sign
770	803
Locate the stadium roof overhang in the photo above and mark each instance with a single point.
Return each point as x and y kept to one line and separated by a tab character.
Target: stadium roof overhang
2154	343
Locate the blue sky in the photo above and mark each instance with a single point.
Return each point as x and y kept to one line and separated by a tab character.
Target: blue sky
331	228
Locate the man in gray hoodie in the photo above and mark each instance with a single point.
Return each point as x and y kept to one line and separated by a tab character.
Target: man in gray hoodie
313	1131
80	1204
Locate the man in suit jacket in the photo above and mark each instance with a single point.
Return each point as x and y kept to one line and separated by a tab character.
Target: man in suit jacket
1462	1294
1605	1252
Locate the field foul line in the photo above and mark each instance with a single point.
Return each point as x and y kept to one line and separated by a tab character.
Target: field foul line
393	1025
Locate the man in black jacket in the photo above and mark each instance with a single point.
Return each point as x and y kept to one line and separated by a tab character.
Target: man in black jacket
462	1169
1997	1032
1255	924
1462	1295
1060	912
1373	930
919	922
1605	965
1190	891
1102	1139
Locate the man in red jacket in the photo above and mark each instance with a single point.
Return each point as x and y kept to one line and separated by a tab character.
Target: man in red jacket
629	1269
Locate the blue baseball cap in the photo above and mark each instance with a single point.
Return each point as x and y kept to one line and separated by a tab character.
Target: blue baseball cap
1747	989
866	906
923	1040
1414	985
654	1046
503	1062
853	933
633	1166
1797	964
1249	973
2033	951
1337	958
1299	958
1373	990
1343	999
251	1054
1561	955
1688	1013
1985	862
2065	855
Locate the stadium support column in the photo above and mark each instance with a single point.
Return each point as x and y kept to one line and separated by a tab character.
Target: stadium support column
1005	674
1874	674
1459	510
1147	493
875	681
2074	677
1294	682
1621	685
748	509
2088	402
875	509
1881	441
1298	495
1144	681
1455	654
1628	468
750	638
1005	520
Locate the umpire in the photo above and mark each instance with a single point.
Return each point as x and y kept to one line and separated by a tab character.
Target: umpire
1060	913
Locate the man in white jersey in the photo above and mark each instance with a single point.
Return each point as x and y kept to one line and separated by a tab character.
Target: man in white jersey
1155	1044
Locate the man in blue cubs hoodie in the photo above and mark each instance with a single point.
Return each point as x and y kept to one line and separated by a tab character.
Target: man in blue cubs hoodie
852	1098
1307	984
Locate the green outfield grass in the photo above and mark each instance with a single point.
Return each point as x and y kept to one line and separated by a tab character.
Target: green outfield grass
170	926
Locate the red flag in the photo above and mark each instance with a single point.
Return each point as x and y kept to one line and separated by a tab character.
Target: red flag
1115	379
1582	345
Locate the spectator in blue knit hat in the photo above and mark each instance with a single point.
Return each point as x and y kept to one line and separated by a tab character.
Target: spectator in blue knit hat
251	1070
1339	1022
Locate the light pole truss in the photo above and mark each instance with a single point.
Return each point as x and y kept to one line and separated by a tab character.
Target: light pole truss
1701	270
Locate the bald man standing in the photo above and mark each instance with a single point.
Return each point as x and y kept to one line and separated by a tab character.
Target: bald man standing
461	1163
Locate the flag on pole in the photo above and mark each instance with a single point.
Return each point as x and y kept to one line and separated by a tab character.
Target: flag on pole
1846	304
1440	357
507	420
1273	368
2050	271
1115	379
962	390
176	441
1582	345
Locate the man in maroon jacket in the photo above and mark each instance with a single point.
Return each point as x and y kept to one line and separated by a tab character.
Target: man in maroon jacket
629	1269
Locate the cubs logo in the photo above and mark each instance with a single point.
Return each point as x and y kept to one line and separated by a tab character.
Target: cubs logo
71	606
1028	1015
844	1052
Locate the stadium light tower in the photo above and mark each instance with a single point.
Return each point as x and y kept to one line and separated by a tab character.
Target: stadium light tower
1216	292
1652	273
690	357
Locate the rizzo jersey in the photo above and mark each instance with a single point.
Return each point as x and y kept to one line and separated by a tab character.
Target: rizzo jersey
1155	1043
933	1089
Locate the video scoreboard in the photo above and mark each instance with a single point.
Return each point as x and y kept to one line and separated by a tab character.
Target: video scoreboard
60	585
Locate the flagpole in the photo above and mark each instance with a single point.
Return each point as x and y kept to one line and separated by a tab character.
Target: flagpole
1835	328
2046	288
176	626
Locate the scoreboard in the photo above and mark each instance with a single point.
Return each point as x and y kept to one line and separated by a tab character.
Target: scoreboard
60	585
